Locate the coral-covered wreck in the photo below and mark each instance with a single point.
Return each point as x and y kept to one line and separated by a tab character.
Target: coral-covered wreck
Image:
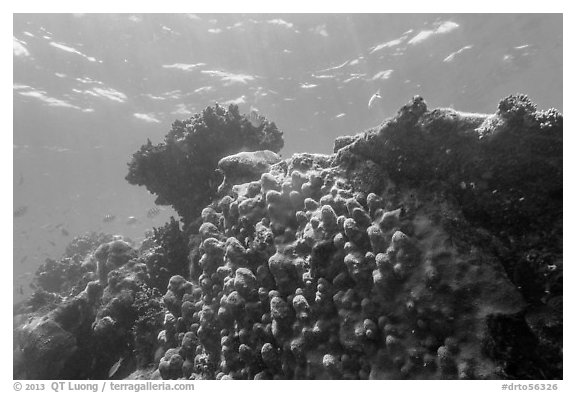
429	247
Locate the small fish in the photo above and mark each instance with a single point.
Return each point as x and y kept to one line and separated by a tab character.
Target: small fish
23	259
20	211
115	367
376	96
64	232
108	218
52	243
21	181
153	212
131	220
21	290
255	119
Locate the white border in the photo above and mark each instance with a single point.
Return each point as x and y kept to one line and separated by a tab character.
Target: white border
302	6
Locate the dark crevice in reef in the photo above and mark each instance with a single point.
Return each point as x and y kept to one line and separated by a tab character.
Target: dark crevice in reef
429	247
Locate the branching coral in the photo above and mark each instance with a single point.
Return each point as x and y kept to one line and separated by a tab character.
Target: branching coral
181	170
166	254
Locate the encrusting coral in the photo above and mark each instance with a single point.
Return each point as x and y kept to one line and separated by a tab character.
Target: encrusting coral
421	249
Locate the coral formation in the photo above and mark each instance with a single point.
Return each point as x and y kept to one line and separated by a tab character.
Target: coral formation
77	336
245	166
426	248
181	170
339	285
165	254
71	273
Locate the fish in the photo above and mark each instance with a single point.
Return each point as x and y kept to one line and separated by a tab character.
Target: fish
108	218
131	220
51	242
255	119
376	96
21	181
64	232
153	212
23	259
115	367
20	211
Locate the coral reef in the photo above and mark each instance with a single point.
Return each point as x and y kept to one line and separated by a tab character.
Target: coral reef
181	170
81	246
504	171
55	276
245	166
70	274
343	286
426	248
79	336
165	254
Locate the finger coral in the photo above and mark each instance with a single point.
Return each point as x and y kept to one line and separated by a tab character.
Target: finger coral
415	251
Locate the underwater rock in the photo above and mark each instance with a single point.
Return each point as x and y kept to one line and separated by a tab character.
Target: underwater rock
47	348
